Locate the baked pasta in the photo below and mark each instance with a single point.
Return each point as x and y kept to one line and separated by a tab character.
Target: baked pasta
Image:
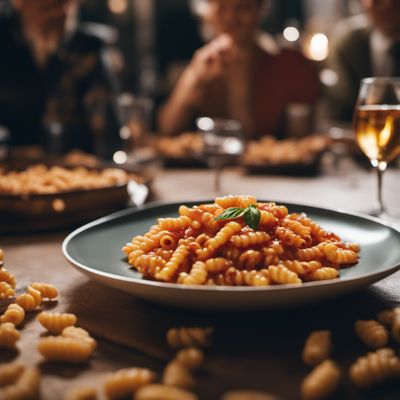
237	241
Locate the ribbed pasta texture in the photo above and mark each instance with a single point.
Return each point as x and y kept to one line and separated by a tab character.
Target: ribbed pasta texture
317	348
14	314
321	382
372	333
56	322
198	248
8	335
127	381
375	368
189	337
157	392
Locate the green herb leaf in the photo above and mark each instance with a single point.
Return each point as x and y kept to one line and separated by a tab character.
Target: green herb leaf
231	213
252	216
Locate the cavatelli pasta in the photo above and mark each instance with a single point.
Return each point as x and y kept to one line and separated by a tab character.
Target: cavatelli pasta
189	337
8	335
56	322
46	290
65	349
29	300
175	374
375	368
6	290
7	277
200	247
372	333
321	382
125	382
14	314
317	348
157	392
191	358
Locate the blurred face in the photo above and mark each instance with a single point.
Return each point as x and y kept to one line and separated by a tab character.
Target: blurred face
385	15
237	18
47	16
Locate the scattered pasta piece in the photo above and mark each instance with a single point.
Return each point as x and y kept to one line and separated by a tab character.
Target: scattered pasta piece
375	368
9	373
8	335
14	314
247	395
6	290
56	322
27	386
127	381
6	276
158	392
46	290
372	333
317	348
80	334
385	317
177	375
321	382
29	300
82	393
65	349
189	337
191	358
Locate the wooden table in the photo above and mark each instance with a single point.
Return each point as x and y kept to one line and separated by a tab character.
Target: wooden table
256	350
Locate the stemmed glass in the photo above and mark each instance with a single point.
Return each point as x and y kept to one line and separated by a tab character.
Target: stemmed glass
377	126
222	144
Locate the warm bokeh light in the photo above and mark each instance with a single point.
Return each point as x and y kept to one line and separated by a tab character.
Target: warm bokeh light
118	6
120	157
328	77
291	34
319	47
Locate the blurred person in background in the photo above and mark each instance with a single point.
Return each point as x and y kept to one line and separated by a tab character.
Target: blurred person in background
55	88
240	74
364	45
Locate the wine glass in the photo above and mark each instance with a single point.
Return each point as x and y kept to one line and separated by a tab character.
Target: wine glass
222	144
377	126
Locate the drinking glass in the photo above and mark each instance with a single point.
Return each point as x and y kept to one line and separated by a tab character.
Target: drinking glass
222	144
377	126
135	114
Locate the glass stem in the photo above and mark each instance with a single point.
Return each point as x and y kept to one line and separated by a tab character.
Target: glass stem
380	169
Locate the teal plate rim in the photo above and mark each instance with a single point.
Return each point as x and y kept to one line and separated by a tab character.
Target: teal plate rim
154	205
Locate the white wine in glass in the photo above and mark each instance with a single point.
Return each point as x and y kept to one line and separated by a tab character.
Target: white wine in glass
377	126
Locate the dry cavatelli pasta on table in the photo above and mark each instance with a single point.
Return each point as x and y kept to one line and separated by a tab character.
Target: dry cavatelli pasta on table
237	241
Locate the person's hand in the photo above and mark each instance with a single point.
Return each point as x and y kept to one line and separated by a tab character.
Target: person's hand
47	17
213	60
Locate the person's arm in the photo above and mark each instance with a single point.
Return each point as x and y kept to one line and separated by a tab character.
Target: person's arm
208	63
179	111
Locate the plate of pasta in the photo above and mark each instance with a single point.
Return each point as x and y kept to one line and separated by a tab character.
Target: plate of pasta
234	253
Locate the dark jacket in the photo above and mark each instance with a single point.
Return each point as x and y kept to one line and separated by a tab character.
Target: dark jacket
65	104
